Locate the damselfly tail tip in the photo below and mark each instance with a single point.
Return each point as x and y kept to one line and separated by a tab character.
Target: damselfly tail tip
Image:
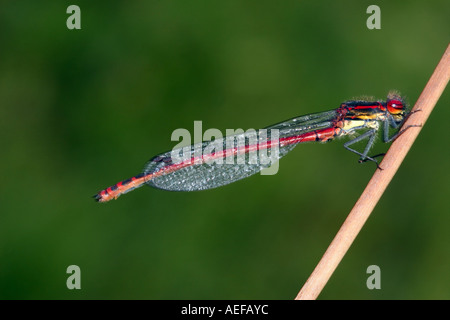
99	197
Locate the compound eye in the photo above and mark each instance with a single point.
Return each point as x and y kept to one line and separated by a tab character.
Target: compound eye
395	106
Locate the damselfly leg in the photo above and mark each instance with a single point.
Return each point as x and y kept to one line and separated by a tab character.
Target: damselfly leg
371	135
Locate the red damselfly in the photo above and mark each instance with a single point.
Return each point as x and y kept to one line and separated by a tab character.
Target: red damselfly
199	168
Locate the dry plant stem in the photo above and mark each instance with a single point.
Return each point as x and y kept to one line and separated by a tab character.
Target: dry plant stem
380	180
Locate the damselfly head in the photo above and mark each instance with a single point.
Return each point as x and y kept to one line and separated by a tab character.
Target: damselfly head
396	105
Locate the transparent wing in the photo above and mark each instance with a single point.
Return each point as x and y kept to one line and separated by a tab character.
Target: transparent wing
219	162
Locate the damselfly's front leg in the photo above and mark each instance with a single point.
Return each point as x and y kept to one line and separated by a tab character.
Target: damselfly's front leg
390	122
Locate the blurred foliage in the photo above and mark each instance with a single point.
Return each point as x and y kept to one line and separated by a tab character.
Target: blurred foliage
83	109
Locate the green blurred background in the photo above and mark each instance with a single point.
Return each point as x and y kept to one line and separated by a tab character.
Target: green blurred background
83	109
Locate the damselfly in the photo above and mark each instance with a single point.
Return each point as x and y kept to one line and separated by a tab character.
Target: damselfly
200	169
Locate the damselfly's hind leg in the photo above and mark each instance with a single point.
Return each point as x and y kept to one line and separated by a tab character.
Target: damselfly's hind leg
371	135
371	159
